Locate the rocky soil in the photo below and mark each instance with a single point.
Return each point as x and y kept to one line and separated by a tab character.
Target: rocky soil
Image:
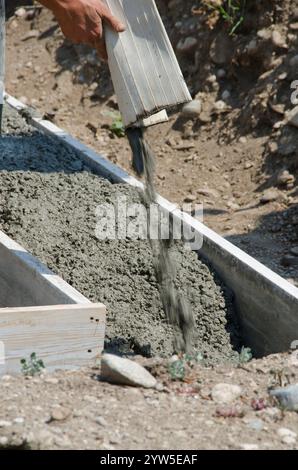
213	408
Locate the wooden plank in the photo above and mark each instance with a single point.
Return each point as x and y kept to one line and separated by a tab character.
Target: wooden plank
63	336
25	281
145	72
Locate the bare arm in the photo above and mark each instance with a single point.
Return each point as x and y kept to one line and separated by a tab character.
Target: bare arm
81	21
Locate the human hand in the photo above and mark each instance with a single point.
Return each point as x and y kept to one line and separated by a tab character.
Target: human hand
81	21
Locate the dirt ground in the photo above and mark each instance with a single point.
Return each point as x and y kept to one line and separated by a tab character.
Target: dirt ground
226	157
239	157
77	411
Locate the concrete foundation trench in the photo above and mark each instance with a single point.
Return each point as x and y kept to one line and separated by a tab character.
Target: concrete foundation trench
48	201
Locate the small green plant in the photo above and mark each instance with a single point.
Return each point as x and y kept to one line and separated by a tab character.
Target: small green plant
232	12
177	370
245	355
33	366
117	127
181	368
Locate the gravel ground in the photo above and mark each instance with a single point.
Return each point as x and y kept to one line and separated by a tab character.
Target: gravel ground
75	410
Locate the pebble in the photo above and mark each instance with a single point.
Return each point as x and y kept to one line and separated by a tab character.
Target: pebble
5	424
277	39
51	380
287	396
264	33
256	424
248	165
287	436
221	73
101	421
284	177
294	251
159	387
219	105
221	50
187	45
225	95
289	260
90	398
192	109
271	412
20	12
123	371
233	206
19	420
190	198
6	378
269	195
3	440
225	393
60	413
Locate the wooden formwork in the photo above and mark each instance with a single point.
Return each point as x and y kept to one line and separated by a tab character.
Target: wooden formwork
63	336
267	304
41	313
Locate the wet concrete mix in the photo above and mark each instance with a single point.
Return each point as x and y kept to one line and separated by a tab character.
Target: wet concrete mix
48	202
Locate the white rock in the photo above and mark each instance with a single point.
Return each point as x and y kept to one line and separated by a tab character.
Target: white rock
159	387
51	380
264	33
5	424
101	421
187	45
285	177
19	420
289	440
221	73
20	12
225	393
6	378
219	105
287	396
123	371
192	109
3	440
277	39
287	436
269	195
225	95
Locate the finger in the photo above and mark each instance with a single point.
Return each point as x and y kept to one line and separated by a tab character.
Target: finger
112	20
100	29
101	49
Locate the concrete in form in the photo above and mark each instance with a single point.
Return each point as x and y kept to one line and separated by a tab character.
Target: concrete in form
267	304
44	315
